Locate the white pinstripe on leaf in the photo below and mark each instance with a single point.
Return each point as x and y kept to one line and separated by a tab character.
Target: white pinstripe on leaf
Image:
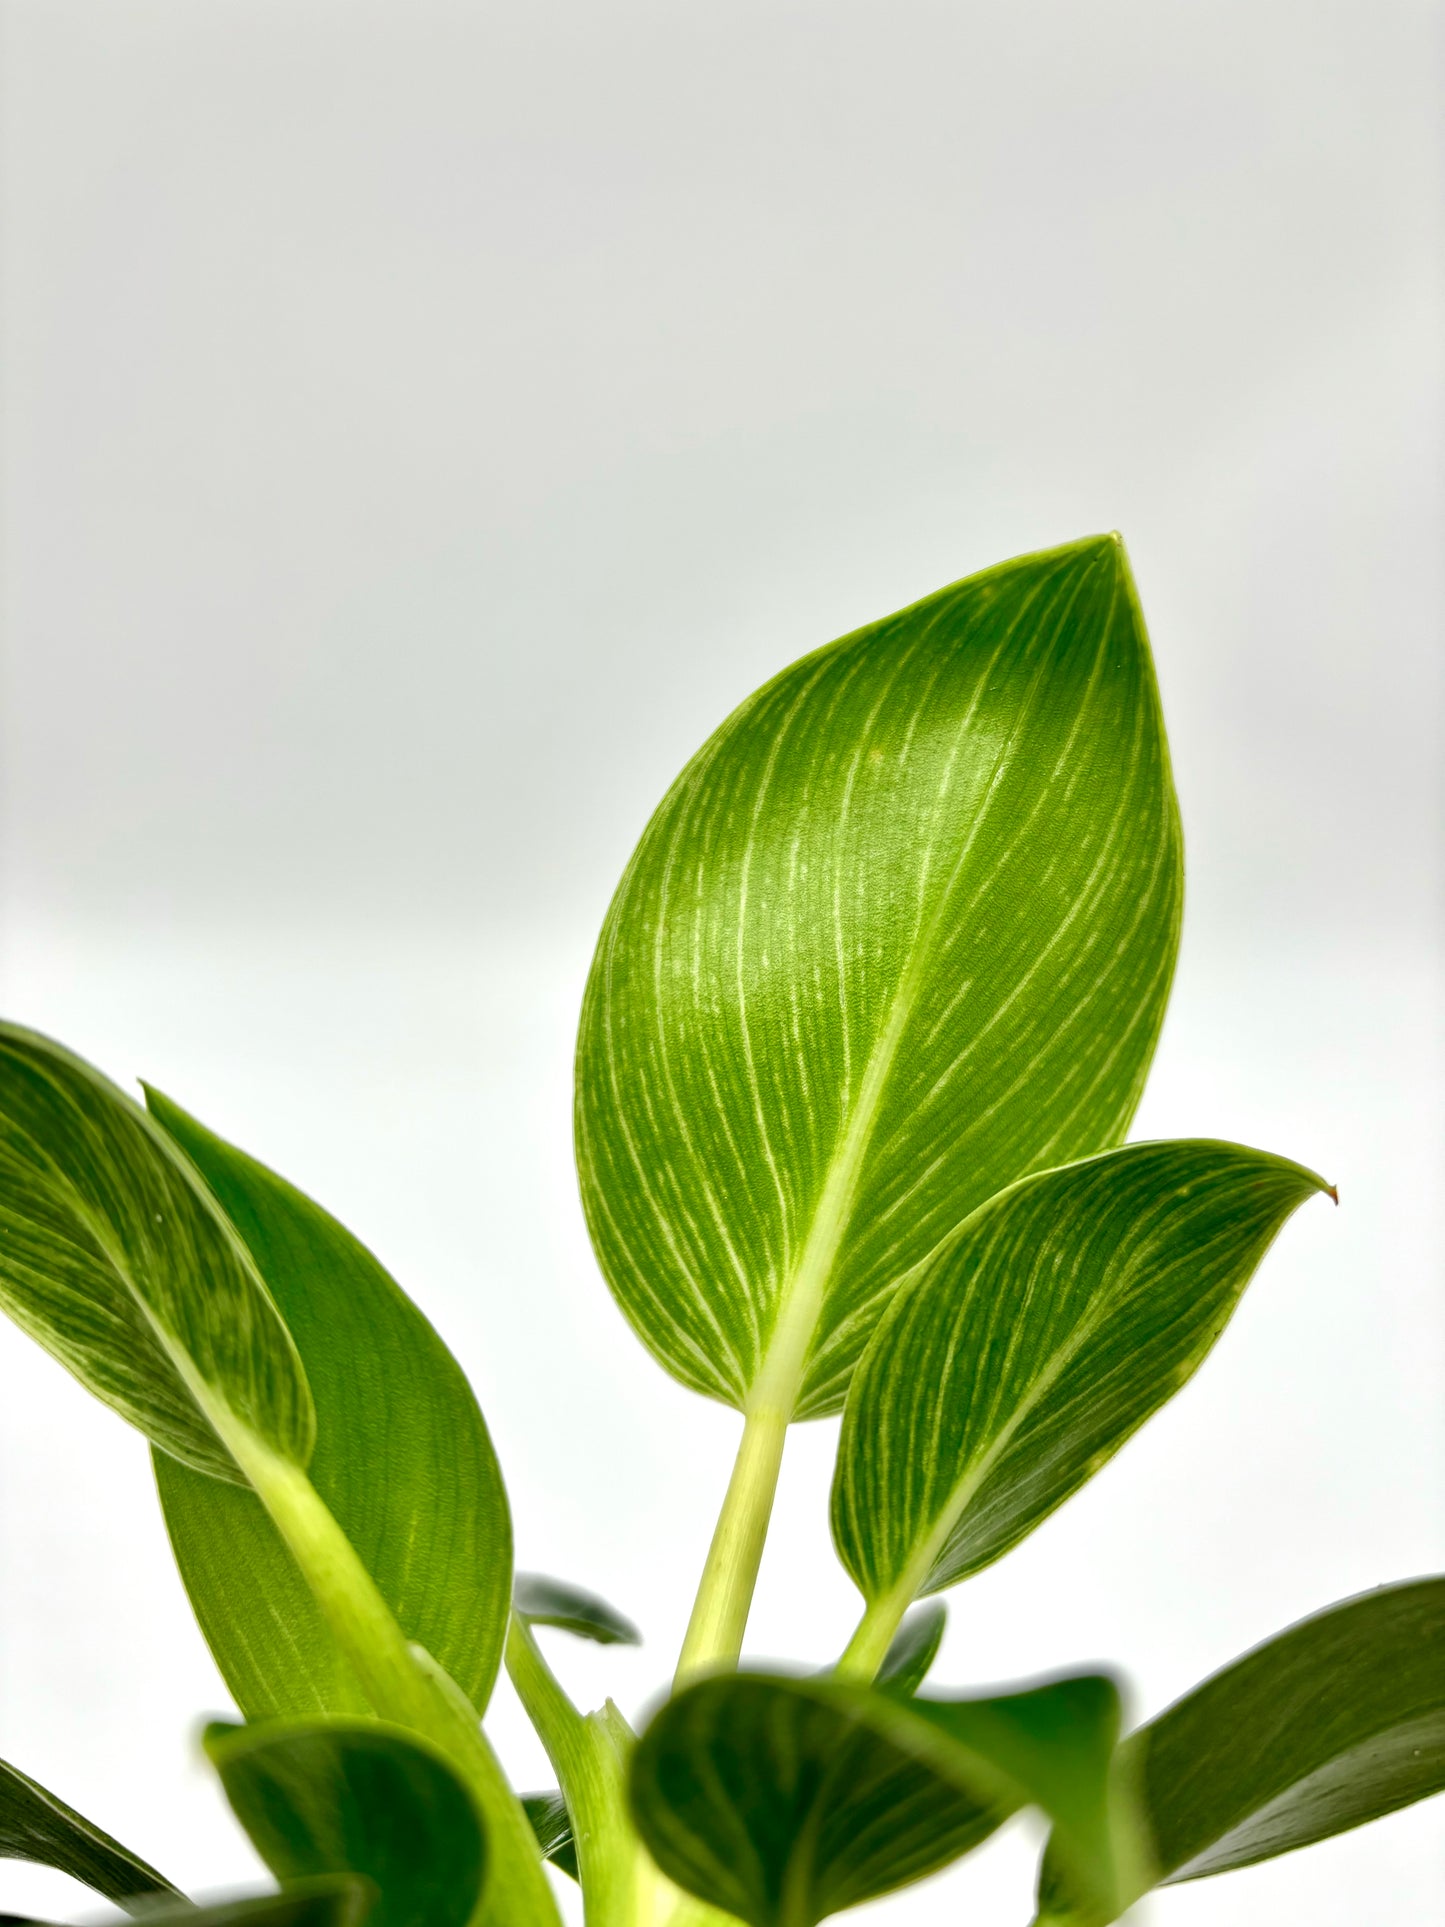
1034	1342
115	1258
901	932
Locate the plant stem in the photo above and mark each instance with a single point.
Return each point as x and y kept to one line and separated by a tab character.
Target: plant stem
867	1649
401	1690
589	1755
720	1614
557	1721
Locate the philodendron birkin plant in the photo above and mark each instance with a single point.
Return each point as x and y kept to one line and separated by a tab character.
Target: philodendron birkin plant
869	1017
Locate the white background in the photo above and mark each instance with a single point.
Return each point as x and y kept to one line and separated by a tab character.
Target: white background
422	424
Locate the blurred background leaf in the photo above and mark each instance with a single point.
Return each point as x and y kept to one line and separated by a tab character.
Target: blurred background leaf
914	1649
552	1825
333	1797
785	1800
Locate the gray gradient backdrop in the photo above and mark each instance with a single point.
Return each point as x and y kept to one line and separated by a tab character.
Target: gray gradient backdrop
422	424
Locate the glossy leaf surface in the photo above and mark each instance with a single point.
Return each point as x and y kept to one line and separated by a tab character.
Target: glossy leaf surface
784	1800
1334	1722
351	1797
552	1824
1328	1725
119	1264
36	1826
914	1649
403	1461
901	931
1034	1343
554	1602
321	1903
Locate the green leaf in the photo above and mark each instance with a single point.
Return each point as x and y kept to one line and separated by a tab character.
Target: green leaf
552	1825
36	1826
1058	1743
357	1797
784	1800
901	931
403	1461
82	1172
553	1602
1031	1346
117	1261
318	1903
1336	1721
914	1649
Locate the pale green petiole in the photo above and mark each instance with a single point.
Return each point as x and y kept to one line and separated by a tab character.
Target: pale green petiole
873	1635
720	1614
621	1885
516	1892
588	1752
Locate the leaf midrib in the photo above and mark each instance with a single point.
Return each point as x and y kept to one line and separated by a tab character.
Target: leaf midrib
228	1426
779	1382
917	1570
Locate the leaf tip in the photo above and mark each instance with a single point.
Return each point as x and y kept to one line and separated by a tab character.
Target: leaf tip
1326	1189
